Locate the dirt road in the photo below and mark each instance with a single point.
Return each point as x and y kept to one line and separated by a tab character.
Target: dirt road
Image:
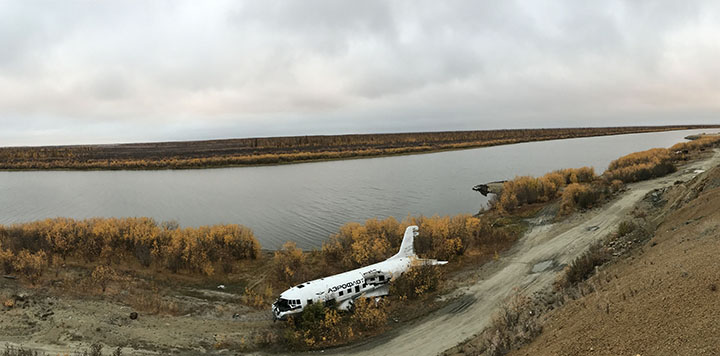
529	266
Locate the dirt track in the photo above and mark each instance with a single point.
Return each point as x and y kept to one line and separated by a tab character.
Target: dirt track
560	242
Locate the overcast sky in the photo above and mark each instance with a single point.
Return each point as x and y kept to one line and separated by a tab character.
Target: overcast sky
128	71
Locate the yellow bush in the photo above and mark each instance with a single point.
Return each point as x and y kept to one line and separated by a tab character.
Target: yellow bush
577	195
102	275
443	237
368	315
30	264
704	141
6	259
529	190
261	299
639	166
358	245
191	249
289	264
416	282
318	326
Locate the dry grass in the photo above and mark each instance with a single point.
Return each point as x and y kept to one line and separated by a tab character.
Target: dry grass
152	302
514	325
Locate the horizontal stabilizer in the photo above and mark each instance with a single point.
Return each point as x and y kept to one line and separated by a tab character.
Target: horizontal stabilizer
429	262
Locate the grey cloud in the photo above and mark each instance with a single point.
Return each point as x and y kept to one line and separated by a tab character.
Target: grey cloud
86	71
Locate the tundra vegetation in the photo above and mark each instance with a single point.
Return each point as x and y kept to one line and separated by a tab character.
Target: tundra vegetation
111	252
278	150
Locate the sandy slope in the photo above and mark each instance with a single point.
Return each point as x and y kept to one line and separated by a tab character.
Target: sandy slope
560	242
662	300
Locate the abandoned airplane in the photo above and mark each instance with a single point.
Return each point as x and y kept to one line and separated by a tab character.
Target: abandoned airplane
343	288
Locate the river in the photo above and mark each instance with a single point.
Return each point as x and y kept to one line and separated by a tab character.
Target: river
307	202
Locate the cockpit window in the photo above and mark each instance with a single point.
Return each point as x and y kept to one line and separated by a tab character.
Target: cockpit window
283	304
300	286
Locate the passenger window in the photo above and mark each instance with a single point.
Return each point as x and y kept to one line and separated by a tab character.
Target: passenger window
382	278
357	289
349	290
341	293
364	285
309	301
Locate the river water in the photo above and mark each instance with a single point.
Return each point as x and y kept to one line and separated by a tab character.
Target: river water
307	202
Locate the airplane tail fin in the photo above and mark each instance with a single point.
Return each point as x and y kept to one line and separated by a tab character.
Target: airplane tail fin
406	248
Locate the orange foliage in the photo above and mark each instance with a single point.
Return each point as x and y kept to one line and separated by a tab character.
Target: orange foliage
358	245
577	195
102	275
529	190
6	259
289	264
113	240
639	166
30	264
702	142
368	315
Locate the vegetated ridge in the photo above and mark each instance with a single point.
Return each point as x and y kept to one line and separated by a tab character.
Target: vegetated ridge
279	150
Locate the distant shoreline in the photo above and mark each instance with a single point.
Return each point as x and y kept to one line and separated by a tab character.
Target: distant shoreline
285	150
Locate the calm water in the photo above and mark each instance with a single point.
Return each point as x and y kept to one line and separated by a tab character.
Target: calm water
306	202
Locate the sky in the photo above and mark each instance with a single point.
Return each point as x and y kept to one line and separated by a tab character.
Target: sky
78	72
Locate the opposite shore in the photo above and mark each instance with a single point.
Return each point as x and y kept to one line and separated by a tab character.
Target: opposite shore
285	150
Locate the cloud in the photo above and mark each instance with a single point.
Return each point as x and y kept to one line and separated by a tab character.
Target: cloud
85	71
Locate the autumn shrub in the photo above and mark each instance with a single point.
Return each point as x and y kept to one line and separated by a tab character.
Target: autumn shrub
444	237
367	314
625	228
639	166
513	326
584	266
358	245
616	185
578	175
417	282
103	275
578	196
194	250
529	190
318	326
30	264
702	142
259	297
288	264
489	231
6	259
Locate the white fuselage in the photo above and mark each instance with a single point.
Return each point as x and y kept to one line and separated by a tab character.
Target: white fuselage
343	288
